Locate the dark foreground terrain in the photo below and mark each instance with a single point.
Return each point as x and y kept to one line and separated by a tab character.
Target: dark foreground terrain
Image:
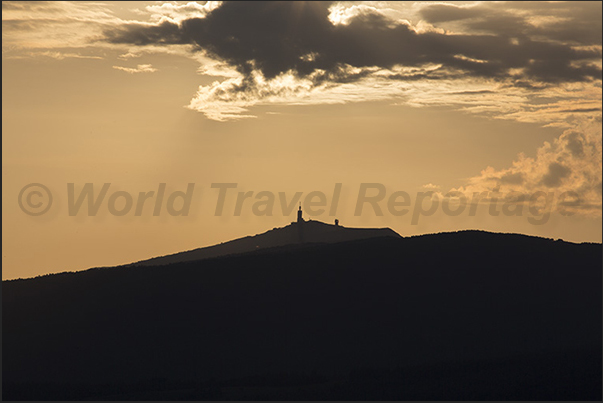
458	316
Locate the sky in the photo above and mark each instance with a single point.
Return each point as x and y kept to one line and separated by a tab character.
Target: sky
423	117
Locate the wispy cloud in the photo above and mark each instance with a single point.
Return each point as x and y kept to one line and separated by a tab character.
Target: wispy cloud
52	54
47	24
141	68
62	55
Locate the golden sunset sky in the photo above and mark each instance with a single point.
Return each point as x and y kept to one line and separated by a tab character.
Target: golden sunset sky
292	97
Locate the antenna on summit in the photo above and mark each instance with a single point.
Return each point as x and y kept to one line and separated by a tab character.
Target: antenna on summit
299	214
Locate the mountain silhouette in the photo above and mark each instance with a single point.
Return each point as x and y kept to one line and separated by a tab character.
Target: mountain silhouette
295	233
469	315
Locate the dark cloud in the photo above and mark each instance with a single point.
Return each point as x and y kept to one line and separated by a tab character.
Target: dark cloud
474	92
164	33
277	37
555	174
575	144
532	86
447	12
576	22
512	178
580	110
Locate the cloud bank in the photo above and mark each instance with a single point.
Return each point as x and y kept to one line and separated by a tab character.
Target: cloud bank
292	52
276	38
571	163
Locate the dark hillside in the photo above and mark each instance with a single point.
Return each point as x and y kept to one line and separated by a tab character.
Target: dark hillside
468	315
